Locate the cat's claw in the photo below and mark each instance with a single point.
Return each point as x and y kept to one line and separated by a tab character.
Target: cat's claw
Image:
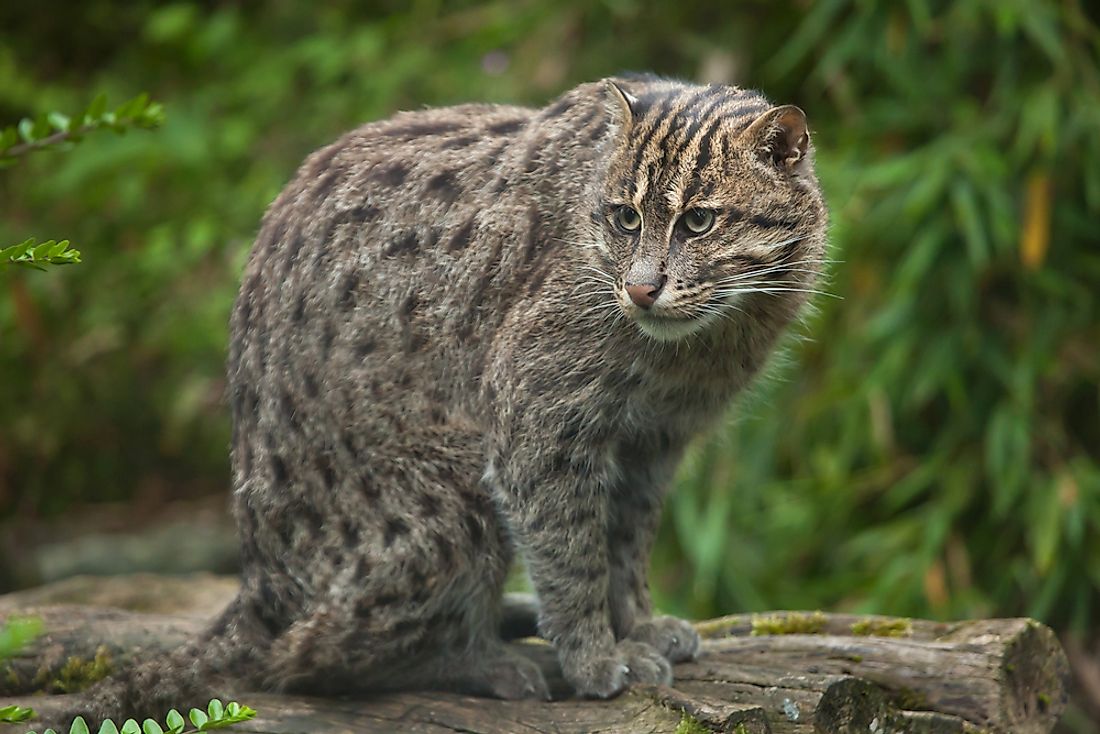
674	638
630	663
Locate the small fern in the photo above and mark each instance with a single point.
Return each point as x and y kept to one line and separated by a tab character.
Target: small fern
216	716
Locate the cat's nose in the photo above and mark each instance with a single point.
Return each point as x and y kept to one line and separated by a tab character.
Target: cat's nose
645	294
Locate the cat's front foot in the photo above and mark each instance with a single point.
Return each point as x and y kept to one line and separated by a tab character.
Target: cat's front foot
674	638
605	675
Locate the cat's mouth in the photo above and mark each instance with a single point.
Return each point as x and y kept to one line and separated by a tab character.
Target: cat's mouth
666	326
663	319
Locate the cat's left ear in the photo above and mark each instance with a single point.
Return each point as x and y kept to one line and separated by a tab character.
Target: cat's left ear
782	137
622	103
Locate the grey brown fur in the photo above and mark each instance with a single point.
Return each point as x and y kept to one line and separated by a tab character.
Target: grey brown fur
434	363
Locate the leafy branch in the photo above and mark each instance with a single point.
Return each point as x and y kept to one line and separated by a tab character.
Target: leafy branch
216	716
54	129
38	255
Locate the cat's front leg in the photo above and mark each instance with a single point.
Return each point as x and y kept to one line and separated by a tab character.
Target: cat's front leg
553	495
635	515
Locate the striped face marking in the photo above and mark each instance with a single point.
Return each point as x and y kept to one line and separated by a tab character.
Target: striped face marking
708	203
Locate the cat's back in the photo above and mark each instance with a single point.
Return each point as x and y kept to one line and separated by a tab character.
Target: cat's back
389	188
389	259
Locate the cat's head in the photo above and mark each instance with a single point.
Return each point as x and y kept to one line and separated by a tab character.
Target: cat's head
709	201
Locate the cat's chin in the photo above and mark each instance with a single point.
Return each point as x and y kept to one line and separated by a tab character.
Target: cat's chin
666	329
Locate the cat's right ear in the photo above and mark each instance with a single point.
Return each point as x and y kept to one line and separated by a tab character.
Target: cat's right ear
621	103
781	136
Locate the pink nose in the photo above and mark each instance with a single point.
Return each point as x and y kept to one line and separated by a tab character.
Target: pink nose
645	295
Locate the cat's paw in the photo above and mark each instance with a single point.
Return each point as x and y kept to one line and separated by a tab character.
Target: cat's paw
629	663
512	677
674	638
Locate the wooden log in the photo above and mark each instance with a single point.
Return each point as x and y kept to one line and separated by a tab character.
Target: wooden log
784	672
998	674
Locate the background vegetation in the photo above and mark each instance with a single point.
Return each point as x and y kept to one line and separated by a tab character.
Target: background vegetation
930	448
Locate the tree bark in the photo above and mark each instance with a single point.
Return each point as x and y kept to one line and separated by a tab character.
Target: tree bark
781	672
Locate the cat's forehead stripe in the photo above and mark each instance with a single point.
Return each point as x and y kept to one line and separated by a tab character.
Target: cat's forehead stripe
676	128
691	132
675	108
655	121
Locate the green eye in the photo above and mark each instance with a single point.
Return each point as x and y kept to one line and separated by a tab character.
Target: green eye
698	221
627	218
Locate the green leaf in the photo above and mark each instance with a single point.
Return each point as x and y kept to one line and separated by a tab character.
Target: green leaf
60	122
26	130
152	116
79	726
15	714
133	107
175	722
241	712
14	252
108	727
42	250
198	718
215	709
130	726
41	127
96	108
18	632
150	726
58	249
966	208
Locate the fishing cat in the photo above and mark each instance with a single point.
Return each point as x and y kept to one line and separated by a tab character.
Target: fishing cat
470	332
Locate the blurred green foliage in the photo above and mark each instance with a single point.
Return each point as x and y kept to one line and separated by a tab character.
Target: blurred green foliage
930	447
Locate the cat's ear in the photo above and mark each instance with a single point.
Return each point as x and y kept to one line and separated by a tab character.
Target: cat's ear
621	104
781	137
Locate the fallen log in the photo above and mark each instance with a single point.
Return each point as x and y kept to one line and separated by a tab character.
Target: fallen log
780	672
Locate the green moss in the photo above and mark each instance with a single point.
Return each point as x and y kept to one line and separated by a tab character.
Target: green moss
689	725
12	677
909	700
794	623
79	673
882	628
713	628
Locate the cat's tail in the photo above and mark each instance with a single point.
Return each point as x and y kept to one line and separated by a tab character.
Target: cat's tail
217	663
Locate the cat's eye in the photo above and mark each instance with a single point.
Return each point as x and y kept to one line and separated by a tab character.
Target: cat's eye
698	221
627	218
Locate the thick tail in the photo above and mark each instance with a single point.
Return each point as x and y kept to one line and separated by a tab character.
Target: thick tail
217	663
